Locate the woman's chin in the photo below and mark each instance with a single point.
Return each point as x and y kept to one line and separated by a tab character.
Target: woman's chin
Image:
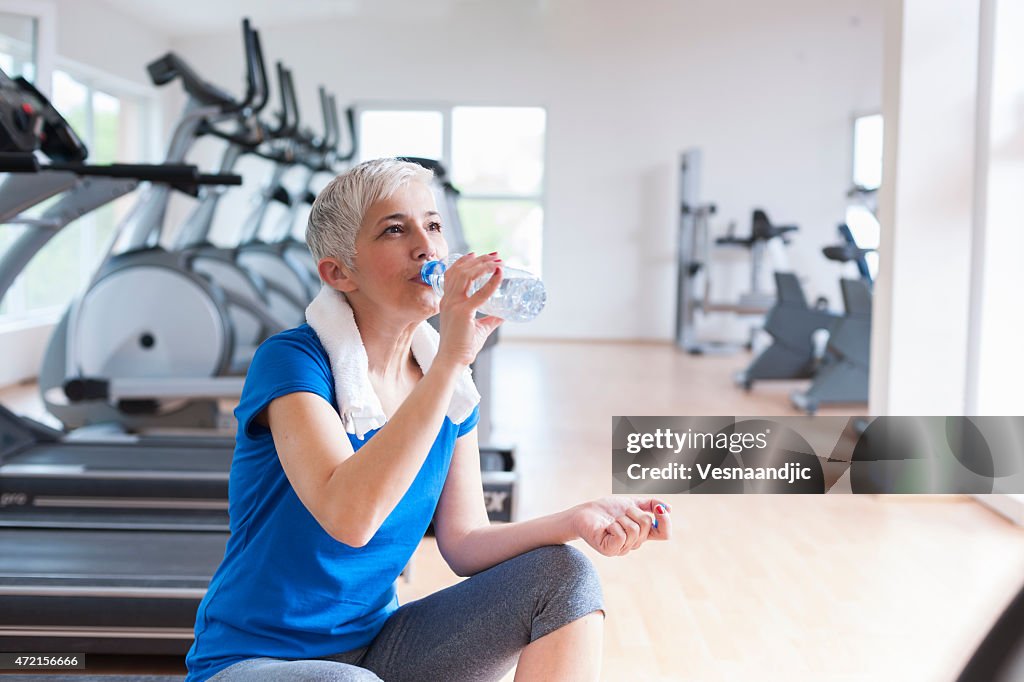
428	304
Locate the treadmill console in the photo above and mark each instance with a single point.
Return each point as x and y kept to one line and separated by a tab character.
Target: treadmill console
21	121
29	122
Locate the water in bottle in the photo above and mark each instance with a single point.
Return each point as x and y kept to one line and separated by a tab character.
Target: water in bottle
520	296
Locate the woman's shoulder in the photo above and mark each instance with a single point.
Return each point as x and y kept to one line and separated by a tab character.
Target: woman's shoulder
299	344
302	336
290	360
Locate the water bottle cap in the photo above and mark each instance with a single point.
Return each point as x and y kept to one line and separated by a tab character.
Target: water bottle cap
431	269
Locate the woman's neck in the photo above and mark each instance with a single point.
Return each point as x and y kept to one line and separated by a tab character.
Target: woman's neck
388	344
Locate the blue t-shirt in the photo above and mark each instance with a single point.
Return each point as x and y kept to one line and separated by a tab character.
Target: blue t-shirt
286	589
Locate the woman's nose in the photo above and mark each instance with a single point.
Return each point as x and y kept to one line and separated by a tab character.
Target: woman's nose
425	253
425	248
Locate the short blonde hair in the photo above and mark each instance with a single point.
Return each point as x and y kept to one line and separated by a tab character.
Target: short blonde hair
340	207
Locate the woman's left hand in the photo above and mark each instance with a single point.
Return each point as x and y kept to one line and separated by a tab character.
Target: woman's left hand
614	526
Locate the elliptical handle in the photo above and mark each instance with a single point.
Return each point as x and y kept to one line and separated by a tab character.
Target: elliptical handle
165	69
284	115
263	85
251	68
329	140
350	120
256	73
293	102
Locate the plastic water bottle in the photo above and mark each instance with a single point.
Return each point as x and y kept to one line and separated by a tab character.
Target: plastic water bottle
520	296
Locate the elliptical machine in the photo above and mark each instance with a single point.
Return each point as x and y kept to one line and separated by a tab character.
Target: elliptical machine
320	157
840	371
128	323
269	309
281	307
843	374
269	259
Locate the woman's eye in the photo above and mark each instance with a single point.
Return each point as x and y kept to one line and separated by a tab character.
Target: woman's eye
393	229
435	226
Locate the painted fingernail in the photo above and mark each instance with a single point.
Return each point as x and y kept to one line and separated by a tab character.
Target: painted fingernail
655	523
659	509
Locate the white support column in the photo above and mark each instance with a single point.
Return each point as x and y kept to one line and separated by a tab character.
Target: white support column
995	369
926	207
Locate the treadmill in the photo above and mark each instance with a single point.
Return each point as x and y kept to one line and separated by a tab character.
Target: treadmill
49	479
93	559
103	591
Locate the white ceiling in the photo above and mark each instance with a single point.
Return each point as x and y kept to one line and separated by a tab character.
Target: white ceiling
195	17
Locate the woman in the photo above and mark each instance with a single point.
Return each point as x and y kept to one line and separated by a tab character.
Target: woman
328	504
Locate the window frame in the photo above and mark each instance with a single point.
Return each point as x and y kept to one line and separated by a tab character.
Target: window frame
45	14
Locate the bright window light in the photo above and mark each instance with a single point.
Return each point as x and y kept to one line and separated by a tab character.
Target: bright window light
867	151
401	133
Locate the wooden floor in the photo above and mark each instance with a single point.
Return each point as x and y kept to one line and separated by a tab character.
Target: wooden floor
837	587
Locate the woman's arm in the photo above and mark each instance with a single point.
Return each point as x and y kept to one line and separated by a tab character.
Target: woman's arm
467	541
351	493
470	544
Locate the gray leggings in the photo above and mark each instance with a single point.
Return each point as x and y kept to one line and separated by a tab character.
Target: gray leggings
473	630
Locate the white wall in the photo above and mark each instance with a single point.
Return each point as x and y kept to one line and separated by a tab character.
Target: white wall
99	36
767	90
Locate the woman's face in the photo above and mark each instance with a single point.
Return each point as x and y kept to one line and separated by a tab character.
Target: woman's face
398	235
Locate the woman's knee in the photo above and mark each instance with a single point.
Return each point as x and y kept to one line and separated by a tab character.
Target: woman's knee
277	670
568	572
566	587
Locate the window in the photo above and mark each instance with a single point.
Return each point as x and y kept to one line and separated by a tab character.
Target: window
112	121
862	210
867	151
18	45
495	157
401	133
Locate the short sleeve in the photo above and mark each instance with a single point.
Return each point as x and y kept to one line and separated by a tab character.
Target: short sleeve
470	422
290	362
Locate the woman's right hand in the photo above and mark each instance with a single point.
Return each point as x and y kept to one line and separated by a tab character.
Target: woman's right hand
462	333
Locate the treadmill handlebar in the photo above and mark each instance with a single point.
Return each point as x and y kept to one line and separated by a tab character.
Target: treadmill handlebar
18	162
176	174
226	179
152	172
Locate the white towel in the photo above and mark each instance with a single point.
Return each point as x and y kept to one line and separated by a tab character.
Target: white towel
331	317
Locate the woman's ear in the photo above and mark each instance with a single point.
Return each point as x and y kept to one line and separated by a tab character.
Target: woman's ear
336	274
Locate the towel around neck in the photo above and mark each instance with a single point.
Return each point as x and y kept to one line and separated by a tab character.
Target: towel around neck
331	317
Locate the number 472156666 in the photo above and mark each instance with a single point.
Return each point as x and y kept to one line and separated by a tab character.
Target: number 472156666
41	661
